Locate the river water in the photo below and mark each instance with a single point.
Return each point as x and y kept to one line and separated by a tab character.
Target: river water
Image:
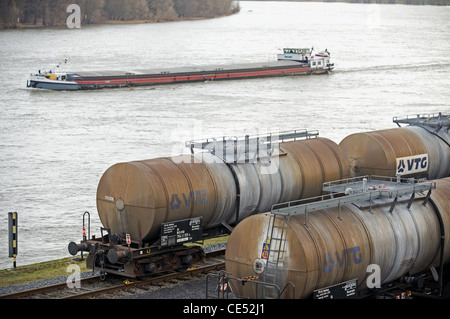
391	60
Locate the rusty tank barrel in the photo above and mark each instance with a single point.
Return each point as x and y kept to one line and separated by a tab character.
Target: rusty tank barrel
410	151
297	172
136	197
334	245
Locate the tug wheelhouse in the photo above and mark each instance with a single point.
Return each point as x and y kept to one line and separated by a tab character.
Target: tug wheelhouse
319	62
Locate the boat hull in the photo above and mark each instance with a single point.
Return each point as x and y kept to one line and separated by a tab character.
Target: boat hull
171	78
95	80
53	85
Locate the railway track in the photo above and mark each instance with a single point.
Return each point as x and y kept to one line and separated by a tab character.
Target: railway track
93	287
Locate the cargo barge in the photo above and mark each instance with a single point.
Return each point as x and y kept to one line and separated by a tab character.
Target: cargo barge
291	62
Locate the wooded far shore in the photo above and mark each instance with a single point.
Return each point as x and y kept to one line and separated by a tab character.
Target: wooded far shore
53	13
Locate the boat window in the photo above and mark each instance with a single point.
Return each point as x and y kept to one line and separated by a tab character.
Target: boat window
292	51
296	51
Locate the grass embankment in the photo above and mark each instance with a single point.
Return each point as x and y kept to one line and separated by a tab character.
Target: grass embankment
57	268
35	272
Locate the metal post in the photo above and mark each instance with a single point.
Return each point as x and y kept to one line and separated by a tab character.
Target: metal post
235	150
413	195
427	198
13	239
257	148
84	226
224	150
393	204
247	148
85	237
306	216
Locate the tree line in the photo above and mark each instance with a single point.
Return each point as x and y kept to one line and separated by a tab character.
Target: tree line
17	13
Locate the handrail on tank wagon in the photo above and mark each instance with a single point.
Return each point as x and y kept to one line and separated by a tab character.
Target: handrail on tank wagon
259	146
430	119
363	189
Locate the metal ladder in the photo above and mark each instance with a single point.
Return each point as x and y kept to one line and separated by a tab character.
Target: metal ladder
276	251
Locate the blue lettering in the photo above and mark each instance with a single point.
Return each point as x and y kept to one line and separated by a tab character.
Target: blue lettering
355	250
424	163
195	194
187	201
339	259
417	160
401	166
328	263
410	164
175	202
203	199
352	254
191	197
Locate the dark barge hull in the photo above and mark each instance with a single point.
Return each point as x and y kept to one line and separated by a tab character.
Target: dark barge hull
116	79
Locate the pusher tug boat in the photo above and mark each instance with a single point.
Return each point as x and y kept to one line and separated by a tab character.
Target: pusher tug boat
291	62
52	81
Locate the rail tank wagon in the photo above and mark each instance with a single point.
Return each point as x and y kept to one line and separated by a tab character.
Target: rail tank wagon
326	246
412	151
136	199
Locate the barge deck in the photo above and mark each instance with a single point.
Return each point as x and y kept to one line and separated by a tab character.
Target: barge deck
292	62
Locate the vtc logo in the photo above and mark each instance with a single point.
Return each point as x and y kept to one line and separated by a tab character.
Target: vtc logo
194	197
412	164
351	254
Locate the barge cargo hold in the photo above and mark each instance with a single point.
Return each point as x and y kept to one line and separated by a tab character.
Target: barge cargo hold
291	62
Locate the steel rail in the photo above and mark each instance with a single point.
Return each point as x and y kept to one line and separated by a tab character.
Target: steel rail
44	289
150	281
74	293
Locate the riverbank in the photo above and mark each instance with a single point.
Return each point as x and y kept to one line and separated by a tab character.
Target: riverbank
235	9
111	22
29	13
